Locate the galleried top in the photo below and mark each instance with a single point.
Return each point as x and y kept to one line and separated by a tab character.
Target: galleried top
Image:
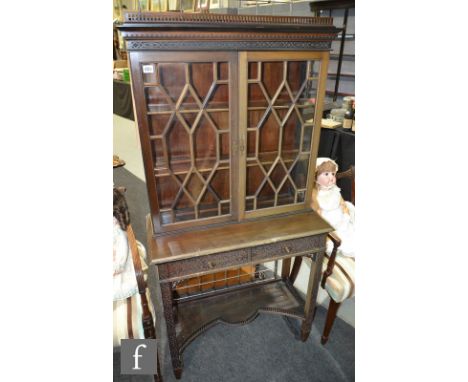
214	19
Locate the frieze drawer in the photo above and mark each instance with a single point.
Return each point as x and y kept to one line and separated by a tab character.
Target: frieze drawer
207	264
309	244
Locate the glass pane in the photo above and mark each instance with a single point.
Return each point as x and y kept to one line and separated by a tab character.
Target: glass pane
251	143
219	97
159	122
254	177
308	94
203	79
272	76
189	123
257	96
279	96
253	70
157	99
223	71
286	193
269	136
299	172
219	185
172	79
219	118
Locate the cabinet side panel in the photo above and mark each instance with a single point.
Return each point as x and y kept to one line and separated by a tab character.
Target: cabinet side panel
140	119
317	124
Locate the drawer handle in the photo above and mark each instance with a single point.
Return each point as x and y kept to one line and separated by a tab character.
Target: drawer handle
211	264
287	249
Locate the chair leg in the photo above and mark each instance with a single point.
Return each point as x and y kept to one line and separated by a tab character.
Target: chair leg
331	315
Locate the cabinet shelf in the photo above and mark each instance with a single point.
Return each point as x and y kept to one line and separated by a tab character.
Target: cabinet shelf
168	111
268	158
189	108
206	165
180	166
280	104
188	213
236	307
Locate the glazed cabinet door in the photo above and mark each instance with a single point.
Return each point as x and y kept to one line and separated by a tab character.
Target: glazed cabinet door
279	94
186	109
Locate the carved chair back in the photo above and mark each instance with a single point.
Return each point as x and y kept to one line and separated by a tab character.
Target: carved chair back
347	176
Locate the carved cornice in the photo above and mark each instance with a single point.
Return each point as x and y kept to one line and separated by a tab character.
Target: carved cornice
207	31
228	45
226	36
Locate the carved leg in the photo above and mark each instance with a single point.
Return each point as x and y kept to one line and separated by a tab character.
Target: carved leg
166	292
148	326
149	331
331	315
295	269
286	268
311	298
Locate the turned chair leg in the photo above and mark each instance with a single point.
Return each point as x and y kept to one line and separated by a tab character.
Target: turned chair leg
331	315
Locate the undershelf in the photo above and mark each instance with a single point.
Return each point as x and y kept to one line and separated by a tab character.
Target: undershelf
236	307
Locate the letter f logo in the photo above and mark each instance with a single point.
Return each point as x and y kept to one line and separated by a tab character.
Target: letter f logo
136	356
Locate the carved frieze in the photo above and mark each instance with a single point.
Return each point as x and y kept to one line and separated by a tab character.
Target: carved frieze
229	45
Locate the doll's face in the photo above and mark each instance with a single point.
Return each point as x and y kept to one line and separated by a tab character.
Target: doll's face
326	179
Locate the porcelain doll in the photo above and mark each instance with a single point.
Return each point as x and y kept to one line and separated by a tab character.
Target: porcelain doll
125	284
328	202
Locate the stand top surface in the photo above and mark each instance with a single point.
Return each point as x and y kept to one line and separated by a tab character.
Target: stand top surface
234	236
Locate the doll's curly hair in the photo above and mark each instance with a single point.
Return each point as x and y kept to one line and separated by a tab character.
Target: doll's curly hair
328	166
121	209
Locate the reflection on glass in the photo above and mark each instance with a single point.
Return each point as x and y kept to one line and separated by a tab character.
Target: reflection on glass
281	97
188	120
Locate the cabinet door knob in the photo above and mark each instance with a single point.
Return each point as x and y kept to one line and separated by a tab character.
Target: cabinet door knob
211	264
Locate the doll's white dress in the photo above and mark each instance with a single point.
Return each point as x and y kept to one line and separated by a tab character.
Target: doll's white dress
125	284
331	210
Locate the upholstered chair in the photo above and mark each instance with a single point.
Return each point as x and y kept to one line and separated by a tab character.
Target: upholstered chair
133	316
338	276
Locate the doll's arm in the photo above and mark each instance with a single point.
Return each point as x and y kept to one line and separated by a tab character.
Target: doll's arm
344	207
120	250
314	202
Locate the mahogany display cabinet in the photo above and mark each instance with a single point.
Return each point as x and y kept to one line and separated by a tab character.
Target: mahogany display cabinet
221	103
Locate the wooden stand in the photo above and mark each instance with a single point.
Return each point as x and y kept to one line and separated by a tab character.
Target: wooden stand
197	253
